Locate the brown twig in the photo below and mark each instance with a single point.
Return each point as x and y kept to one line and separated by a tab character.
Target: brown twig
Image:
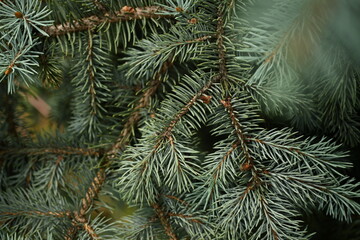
53	214
135	116
79	217
164	219
249	165
122	141
57	151
93	21
177	199
185	217
223	74
167	131
238	128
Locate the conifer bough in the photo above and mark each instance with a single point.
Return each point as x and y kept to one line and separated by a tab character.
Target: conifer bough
162	104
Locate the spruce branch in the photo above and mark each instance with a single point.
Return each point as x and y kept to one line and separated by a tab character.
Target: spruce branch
239	132
167	131
181	168
135	116
164	219
20	18
177	45
223	73
320	156
91	77
86	202
220	169
247	183
18	61
36	210
93	73
89	23
52	214
269	218
57	151
121	142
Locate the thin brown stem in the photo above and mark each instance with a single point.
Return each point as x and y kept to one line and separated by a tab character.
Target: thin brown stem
57	151
122	141
269	218
167	131
79	217
135	116
92	22
223	74
91	232
177	199
227	154
239	129
52	214
164	219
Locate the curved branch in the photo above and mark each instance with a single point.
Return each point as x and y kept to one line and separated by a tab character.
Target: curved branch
79	218
135	116
167	131
52	214
57	151
164	219
269	218
223	74
239	130
126	14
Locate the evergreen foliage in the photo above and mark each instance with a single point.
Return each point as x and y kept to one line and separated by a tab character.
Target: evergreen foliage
210	122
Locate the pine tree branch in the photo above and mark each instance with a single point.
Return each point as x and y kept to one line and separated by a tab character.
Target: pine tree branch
234	146
52	214
164	219
223	74
215	175
249	165
91	75
185	217
86	202
177	199
125	135
269	218
299	152
135	116
167	131
239	131
125	14
57	151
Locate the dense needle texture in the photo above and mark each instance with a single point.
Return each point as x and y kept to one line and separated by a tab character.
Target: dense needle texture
197	119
